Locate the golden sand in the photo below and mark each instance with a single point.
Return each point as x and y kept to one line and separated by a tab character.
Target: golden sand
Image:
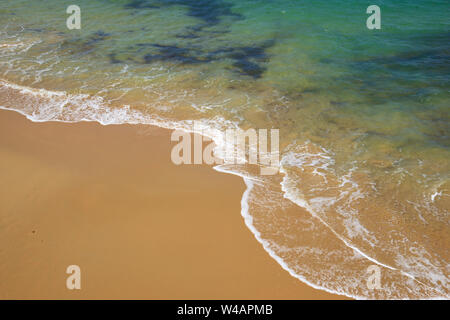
108	199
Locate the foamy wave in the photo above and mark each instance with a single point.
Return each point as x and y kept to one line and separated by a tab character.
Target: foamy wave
310	253
308	173
40	105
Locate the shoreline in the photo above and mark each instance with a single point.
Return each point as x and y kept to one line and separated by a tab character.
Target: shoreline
138	226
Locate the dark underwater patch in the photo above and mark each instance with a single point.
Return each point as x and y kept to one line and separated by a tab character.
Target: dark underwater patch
248	60
140	4
404	76
249	68
245	60
174	54
430	56
85	45
98	36
209	11
113	58
426	61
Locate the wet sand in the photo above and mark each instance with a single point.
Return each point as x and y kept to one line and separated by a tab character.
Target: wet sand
108	199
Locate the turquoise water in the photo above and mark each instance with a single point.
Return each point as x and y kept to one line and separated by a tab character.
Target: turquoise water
363	114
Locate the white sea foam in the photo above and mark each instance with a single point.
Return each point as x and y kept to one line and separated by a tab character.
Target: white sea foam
248	219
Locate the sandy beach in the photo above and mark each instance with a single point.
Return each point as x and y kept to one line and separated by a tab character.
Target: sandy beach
350	108
108	199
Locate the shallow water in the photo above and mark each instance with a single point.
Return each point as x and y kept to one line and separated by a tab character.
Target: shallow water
363	115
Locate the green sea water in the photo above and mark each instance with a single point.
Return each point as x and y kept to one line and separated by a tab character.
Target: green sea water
363	114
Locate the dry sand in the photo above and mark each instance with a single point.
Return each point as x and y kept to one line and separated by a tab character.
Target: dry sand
108	198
